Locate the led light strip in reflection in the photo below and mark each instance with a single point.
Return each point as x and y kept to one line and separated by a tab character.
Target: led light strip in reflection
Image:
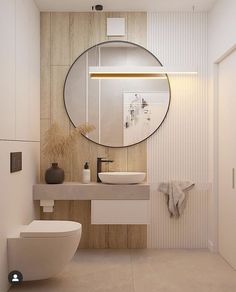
151	72
126	76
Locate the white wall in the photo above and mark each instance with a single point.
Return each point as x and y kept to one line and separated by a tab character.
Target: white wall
222	32
179	149
221	39
19	116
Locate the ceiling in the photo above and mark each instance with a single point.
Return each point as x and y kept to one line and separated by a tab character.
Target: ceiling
125	5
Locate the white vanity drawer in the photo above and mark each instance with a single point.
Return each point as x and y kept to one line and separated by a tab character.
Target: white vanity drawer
119	212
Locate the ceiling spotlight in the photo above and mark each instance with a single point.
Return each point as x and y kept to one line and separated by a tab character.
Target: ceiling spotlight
97	7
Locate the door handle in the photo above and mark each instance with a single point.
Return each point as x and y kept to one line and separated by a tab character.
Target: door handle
233	178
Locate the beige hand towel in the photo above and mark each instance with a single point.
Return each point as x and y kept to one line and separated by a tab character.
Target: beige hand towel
176	195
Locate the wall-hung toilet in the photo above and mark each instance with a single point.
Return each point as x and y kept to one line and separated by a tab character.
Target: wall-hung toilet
41	249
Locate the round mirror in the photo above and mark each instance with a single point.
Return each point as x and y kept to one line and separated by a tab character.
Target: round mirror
109	87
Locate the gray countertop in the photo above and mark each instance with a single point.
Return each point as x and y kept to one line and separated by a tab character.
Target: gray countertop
91	191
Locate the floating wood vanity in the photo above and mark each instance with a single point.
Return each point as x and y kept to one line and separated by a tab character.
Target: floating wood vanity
112	216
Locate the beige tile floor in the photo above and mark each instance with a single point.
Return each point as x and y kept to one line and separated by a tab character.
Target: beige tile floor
150	270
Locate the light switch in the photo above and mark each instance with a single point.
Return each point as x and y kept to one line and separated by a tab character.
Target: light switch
15	161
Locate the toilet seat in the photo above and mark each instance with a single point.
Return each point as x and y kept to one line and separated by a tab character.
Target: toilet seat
50	228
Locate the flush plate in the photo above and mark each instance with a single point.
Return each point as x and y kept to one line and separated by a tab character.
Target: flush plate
15	161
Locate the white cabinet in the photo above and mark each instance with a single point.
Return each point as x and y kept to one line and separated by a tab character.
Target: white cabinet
27	71
227	159
119	212
19	70
7	69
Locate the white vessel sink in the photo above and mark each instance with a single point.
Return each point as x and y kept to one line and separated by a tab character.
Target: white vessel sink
122	177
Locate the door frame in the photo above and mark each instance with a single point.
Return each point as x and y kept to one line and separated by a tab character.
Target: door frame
214	246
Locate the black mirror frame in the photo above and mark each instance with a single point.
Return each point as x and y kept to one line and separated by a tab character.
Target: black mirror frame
115	41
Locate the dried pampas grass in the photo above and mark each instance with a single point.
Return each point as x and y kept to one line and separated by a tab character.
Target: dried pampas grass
58	145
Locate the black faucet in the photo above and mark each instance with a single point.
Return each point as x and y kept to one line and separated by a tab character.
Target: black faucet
99	165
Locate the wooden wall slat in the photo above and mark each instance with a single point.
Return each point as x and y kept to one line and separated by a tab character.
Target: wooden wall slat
45	65
60	39
117	236
64	36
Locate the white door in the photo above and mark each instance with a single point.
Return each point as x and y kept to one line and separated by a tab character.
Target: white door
227	158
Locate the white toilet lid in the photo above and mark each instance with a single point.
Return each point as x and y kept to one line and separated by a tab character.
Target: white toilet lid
50	228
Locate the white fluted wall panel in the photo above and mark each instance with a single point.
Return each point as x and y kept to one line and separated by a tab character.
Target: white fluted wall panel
178	150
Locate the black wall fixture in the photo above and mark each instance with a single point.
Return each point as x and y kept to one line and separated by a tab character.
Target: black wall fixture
97	7
15	161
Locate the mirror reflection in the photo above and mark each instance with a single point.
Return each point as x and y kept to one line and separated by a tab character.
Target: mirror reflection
125	111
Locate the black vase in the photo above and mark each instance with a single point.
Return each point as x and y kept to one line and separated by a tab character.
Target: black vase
54	174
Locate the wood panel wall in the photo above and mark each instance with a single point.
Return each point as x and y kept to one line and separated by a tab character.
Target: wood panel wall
64	36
